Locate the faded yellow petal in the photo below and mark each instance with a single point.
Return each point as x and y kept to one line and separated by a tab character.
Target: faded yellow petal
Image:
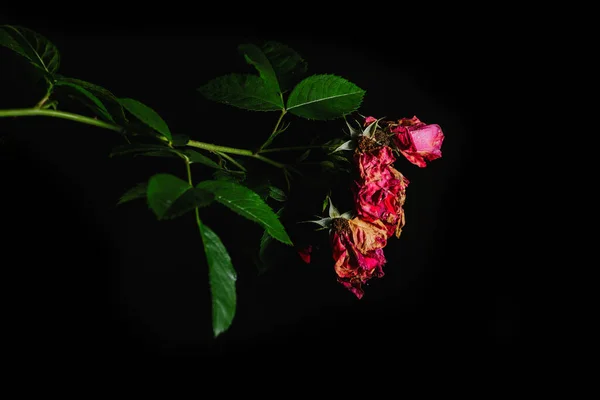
368	236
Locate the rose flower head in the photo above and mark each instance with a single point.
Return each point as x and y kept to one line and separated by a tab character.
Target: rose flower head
357	252
415	140
380	192
383	200
357	247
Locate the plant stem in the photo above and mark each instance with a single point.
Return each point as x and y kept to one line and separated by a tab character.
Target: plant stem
217	148
295	148
232	150
274	133
188	170
231	160
43	100
32	112
47	96
269	161
189	176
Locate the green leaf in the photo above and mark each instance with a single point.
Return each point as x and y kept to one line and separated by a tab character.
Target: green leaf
255	56
264	263
303	156
265	255
222	277
188	201
136	192
108	100
170	197
31	45
227	175
162	192
324	97
277	194
287	64
243	91
147	116
99	107
325	203
248	204
162	151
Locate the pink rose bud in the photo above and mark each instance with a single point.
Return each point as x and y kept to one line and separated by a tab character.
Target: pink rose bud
417	141
369	121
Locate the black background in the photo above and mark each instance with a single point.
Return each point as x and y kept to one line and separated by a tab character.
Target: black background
87	281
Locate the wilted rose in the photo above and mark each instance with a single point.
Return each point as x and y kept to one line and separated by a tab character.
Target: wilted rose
358	252
381	191
383	200
373	163
417	141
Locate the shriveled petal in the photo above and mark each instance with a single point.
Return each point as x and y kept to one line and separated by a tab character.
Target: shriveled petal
373	165
419	142
367	236
353	279
414	121
341	255
382	201
353	285
358	253
304	253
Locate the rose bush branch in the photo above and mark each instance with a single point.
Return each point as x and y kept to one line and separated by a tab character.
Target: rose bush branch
30	112
279	84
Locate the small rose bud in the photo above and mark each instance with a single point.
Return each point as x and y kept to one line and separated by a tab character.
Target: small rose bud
417	141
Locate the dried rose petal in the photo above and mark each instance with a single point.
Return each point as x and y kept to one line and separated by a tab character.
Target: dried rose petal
374	165
358	252
383	200
380	192
304	253
417	141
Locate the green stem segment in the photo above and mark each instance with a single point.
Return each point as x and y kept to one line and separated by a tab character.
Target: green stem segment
189	176
41	103
274	133
217	148
296	148
269	161
233	150
232	160
43	100
188	170
32	112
